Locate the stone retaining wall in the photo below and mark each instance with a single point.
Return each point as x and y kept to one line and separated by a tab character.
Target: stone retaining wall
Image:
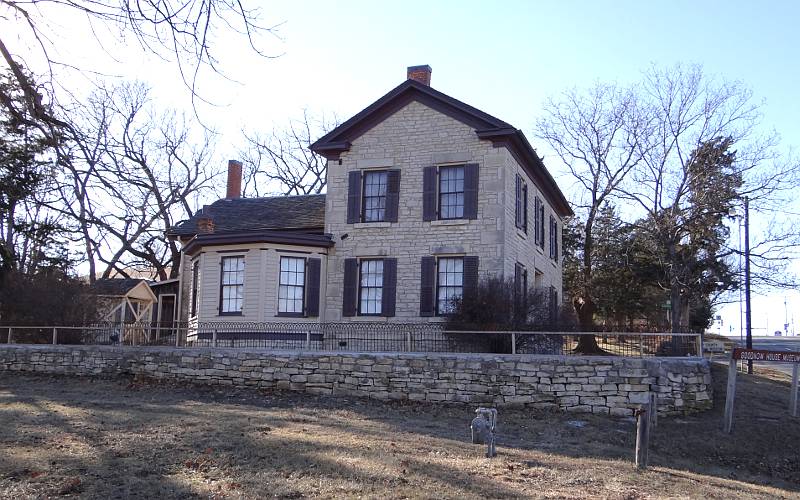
602	385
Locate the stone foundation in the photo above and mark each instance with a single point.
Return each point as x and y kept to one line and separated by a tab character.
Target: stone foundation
601	385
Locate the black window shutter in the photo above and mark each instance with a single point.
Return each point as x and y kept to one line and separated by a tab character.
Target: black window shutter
537	221
555	238
471	191
517	284
518	202
470	279
389	287
350	292
354	197
312	287
392	195
525	208
429	193
427	297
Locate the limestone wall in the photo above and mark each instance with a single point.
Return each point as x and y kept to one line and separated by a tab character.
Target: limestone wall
601	385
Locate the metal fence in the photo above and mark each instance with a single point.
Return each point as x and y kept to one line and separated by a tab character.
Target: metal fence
354	336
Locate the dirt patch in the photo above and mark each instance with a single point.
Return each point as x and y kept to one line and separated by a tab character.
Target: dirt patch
89	438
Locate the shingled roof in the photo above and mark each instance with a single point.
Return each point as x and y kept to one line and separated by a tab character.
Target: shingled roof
275	213
117	287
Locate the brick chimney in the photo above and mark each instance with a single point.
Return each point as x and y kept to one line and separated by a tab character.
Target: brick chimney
234	180
422	74
205	225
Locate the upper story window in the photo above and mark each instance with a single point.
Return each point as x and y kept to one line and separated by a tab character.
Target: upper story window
374	202
521	208
291	285
451	192
370	292
195	279
232	285
373	196
449	283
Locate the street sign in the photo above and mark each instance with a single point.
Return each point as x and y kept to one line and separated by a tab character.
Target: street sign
761	355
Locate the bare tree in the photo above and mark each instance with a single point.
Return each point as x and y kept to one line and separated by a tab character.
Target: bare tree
690	176
282	160
131	174
598	135
663	151
183	31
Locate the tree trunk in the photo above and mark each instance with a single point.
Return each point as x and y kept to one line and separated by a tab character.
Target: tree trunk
584	306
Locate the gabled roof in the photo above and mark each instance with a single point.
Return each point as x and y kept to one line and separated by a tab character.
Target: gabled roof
122	287
275	213
486	126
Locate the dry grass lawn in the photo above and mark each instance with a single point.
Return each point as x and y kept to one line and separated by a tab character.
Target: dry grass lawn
124	439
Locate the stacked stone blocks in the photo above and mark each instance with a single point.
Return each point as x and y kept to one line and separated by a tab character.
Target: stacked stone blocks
600	385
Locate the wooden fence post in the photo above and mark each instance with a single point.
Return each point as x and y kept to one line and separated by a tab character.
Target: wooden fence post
409	344
730	396
308	340
214	337
642	435
55	335
9	334
794	396
641	346
653	410
513	343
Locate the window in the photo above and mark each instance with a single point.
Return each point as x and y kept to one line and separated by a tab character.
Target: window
374	203
291	285
449	283
553	238
232	285
521	219
195	278
451	192
370	292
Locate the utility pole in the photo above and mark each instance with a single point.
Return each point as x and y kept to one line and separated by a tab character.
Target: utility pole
747	312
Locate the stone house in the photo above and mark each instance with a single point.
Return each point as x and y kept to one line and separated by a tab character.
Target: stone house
426	195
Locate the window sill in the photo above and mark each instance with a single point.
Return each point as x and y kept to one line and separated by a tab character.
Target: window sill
450	222
290	315
365	225
231	314
366	319
522	234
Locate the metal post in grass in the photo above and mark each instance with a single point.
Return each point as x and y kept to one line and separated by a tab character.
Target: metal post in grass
55	335
794	396
642	435
730	396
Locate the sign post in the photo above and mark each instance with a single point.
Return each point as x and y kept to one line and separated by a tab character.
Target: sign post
751	355
793	397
